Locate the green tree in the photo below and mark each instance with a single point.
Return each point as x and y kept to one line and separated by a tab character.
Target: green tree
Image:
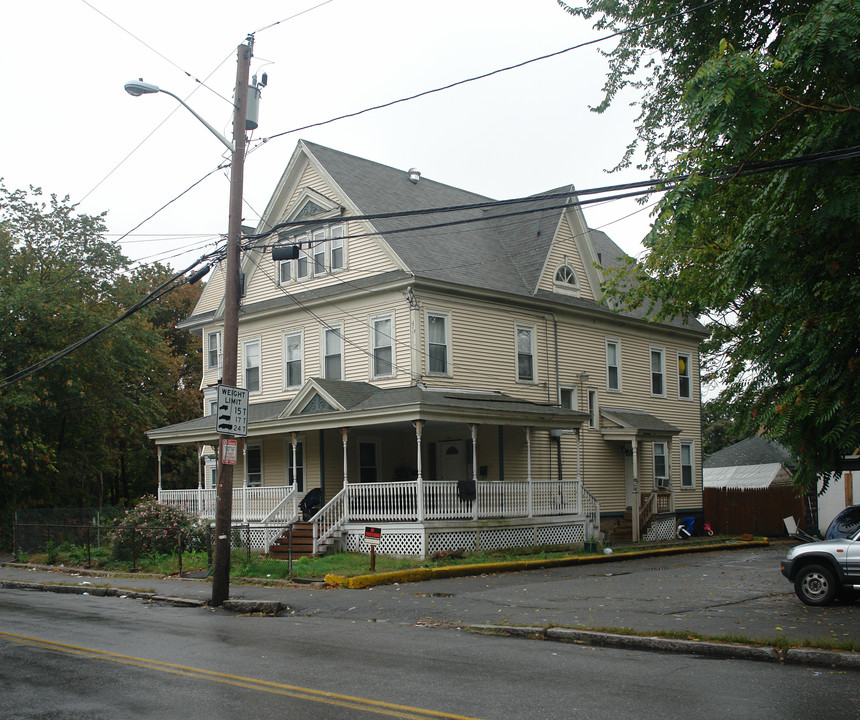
79	421
771	261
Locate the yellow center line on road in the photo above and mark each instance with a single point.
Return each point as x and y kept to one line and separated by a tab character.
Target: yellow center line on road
302	693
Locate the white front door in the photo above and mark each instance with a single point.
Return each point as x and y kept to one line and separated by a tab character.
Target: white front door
452	460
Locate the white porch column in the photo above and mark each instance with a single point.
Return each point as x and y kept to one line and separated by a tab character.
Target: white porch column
344	434
669	473
245	483
529	471
199	477
474	430
637	496
419	481
159	473
294	443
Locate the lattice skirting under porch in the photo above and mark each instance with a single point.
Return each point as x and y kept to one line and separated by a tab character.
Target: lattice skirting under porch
663	528
412	540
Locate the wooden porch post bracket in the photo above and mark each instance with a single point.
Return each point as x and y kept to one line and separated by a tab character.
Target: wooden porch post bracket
473	429
419	480
530	499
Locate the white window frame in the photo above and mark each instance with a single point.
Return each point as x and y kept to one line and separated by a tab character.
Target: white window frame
337	331
574	397
662	371
530	329
219	350
285	272
376	369
258	446
569	285
446	319
301	360
245	366
611	342
665	456
317	256
688	480
688	376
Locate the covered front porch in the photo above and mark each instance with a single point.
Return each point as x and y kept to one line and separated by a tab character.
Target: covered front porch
480	472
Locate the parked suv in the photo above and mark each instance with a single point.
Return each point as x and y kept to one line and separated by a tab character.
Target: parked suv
819	570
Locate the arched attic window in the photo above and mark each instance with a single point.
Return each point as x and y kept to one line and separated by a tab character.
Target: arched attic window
565	280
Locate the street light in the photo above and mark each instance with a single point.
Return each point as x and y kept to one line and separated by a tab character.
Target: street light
136	88
224	501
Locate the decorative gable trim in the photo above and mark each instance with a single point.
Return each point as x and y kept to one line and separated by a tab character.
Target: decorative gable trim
311	399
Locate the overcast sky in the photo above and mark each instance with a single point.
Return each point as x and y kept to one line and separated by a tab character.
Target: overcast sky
68	126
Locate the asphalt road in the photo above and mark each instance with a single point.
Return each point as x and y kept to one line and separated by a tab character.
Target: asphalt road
78	656
738	592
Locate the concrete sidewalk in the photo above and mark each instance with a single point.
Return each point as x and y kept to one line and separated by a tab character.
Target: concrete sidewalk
735	591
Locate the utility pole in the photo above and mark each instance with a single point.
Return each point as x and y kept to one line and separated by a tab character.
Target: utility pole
224	501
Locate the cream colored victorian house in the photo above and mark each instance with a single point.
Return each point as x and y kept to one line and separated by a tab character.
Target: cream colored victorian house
454	377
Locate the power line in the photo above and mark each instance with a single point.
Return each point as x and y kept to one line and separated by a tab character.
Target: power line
485	75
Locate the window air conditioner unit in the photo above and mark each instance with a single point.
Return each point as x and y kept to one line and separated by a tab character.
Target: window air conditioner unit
662	483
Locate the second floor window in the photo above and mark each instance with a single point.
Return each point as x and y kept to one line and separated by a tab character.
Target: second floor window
437	343
613	371
213	350
293	359
684	386
383	356
333	351
252	366
658	387
525	354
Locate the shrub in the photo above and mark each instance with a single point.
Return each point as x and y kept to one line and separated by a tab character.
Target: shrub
153	528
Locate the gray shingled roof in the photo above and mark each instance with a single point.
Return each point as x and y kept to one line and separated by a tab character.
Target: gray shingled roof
505	254
752	451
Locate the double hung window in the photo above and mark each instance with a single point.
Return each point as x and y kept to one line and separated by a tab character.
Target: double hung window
613	369
382	350
333	353
525	354
658	387
252	366
661	473
321	252
684	386
213	350
293	359
686	464
437	344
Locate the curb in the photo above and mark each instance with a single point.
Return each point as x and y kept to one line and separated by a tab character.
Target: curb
245	607
797	656
357	582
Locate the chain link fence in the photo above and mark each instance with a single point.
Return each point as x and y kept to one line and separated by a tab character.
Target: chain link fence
92	537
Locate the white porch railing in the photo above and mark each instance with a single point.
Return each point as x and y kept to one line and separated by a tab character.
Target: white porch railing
398	502
250	504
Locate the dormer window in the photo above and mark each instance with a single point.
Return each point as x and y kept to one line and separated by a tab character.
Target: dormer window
565	280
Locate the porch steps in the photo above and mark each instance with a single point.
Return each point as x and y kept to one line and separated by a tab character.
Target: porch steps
623	531
303	543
